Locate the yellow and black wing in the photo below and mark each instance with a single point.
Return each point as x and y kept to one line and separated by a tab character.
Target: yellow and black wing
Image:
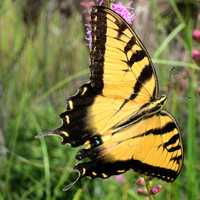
122	82
151	146
120	65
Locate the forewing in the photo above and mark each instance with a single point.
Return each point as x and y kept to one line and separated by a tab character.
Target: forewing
120	65
89	114
123	80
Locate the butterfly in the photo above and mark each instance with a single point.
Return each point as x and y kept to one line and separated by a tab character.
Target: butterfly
117	117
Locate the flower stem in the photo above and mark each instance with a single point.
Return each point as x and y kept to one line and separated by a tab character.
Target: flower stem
107	3
148	188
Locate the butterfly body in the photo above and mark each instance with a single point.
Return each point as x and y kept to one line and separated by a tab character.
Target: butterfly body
117	116
147	110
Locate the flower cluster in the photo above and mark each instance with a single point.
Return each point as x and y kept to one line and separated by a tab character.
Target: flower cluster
196	52
144	187
125	11
120	178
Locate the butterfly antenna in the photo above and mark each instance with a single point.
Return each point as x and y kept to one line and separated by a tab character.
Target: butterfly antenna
49	133
68	187
169	80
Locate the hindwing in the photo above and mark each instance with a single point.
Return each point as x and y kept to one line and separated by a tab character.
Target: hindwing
151	146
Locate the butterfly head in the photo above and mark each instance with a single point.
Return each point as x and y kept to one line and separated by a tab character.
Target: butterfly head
162	100
156	104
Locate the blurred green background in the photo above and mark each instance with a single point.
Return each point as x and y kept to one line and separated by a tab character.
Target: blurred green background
44	59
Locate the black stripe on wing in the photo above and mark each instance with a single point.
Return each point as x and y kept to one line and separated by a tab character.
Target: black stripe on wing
105	169
74	129
98	21
144	76
130	44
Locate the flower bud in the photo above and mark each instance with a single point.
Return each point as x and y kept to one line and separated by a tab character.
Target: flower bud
142	192
155	189
124	11
140	181
196	35
196	54
120	178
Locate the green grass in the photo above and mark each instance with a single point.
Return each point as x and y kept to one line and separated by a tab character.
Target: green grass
38	72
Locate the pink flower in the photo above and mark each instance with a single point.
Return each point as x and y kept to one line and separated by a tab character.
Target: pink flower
88	35
196	35
120	178
140	181
155	189
198	90
124	11
196	54
87	5
142	192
